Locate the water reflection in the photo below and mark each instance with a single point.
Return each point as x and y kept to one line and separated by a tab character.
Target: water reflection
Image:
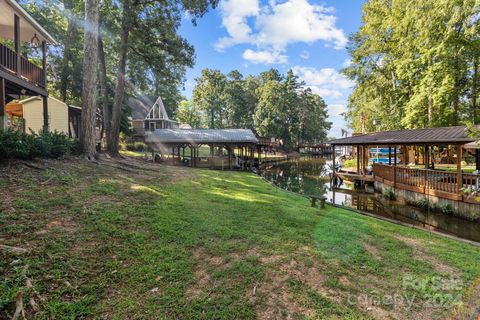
307	175
310	176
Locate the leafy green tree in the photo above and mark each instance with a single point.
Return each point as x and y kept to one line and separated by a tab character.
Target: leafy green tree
415	64
209	96
190	114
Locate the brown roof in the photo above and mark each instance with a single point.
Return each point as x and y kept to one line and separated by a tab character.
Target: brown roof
443	135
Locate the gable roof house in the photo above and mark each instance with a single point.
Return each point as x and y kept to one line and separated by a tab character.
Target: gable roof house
148	114
20	75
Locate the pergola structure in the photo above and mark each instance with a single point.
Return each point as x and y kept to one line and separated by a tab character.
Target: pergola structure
169	146
406	149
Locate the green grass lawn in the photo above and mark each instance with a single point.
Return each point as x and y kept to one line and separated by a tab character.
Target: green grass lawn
156	242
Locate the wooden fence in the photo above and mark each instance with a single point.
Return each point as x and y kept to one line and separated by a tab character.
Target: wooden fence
433	182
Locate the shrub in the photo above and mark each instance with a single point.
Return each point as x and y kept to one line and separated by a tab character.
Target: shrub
445	207
58	143
388	193
350	163
424	203
16	144
136	146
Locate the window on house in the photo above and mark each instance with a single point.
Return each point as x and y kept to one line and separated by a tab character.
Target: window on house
152	126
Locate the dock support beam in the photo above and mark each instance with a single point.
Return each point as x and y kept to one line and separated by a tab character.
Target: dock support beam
358	159
477	159
3	117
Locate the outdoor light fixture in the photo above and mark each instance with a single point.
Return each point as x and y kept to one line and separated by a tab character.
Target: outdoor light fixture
376	122
35	41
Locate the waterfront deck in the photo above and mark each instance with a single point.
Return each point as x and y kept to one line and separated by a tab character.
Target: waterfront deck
405	149
443	184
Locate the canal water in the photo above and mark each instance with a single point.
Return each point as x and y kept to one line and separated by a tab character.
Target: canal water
310	176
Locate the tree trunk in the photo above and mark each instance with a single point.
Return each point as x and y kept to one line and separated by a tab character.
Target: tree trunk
113	136
89	89
107	110
474	90
430	111
67	51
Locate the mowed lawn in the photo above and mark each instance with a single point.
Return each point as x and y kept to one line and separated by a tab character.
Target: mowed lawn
132	240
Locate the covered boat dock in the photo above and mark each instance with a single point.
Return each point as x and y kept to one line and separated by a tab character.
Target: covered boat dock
227	148
417	160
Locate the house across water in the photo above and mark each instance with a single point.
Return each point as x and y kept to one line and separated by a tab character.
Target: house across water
148	113
441	164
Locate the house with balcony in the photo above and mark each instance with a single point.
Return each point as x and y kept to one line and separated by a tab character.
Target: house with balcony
22	76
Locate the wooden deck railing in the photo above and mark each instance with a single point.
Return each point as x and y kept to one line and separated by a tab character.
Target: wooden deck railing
28	70
8	58
436	182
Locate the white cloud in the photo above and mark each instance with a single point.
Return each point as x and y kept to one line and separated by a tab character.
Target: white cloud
264	57
276	25
335	110
347	63
234	19
305	55
326	82
298	21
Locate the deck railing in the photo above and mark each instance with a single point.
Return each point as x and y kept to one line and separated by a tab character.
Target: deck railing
425	180
28	70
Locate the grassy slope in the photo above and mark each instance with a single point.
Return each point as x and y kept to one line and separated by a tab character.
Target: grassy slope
165	242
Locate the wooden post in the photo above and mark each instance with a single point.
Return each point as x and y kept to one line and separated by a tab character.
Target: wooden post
394	166
45	114
426	157
333	160
459	168
363	161
477	159
358	159
3	118
252	152
44	64
405	155
16	31
191	156
389	155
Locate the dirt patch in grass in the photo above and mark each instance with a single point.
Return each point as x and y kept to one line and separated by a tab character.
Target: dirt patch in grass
274	297
421	253
202	283
344	280
373	250
276	300
63	223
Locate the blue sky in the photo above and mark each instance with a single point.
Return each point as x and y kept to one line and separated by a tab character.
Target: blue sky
252	36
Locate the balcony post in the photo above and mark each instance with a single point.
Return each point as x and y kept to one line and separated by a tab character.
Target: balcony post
16	31
3	118
44	64
45	114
